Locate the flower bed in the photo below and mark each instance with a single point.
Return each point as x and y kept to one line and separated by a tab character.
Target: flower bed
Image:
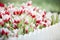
24	20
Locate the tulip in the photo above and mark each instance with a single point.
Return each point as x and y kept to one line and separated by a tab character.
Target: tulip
43	14
21	11
26	30
44	25
0	15
15	12
6	18
2	32
45	21
38	21
33	16
1	22
1	4
15	26
6	33
6	12
16	19
29	3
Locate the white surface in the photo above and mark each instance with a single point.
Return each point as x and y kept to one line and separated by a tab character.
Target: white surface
12	38
49	33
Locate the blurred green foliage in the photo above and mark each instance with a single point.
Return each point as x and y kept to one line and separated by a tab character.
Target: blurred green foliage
49	5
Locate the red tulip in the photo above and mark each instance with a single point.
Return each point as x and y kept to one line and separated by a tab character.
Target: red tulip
38	21
44	14
1	4
15	26
6	12
0	15
16	21
2	32
45	21
21	11
15	12
44	25
6	20
18	12
33	16
6	33
26	30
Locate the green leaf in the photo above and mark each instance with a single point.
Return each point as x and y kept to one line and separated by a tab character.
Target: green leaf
31	29
57	19
20	31
53	22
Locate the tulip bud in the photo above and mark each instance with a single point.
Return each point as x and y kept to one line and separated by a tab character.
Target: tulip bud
29	3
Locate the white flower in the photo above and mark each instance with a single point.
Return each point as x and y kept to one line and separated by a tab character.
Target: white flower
11	10
15	31
48	15
6	17
16	18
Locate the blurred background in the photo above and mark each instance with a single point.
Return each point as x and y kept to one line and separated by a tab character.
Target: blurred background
49	5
